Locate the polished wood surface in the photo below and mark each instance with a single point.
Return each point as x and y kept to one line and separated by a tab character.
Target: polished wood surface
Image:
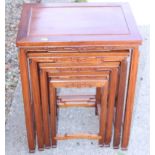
53	114
45	107
37	104
75	38
88	23
103	113
52	66
130	98
103	83
66	105
29	119
112	90
74	77
111	103
120	104
77	136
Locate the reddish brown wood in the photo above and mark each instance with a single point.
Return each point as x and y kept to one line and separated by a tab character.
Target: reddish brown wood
96	28
98	99
79	58
29	119
49	65
45	107
111	97
97	23
130	98
80	48
103	114
111	101
79	52
79	98
78	83
76	74
120	104
55	84
53	114
80	65
98	95
66	83
63	74
78	136
80	77
66	105
37	104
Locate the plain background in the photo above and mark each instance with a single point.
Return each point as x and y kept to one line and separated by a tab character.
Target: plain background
144	12
140	9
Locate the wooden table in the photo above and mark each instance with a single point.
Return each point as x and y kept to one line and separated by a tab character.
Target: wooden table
77	28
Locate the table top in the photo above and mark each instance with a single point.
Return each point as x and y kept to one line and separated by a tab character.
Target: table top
77	23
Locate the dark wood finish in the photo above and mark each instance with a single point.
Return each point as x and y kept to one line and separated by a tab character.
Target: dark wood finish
130	98
29	119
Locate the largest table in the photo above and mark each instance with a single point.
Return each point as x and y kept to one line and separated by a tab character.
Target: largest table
77	27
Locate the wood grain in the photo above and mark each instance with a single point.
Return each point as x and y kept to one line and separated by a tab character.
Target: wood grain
53	114
45	106
103	114
29	119
68	105
77	136
79	37
37	104
120	104
130	98
87	26
111	103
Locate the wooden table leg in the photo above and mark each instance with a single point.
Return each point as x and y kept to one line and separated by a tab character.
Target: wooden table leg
45	107
37	103
111	103
103	114
27	100
120	103
130	98
98	99
53	115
